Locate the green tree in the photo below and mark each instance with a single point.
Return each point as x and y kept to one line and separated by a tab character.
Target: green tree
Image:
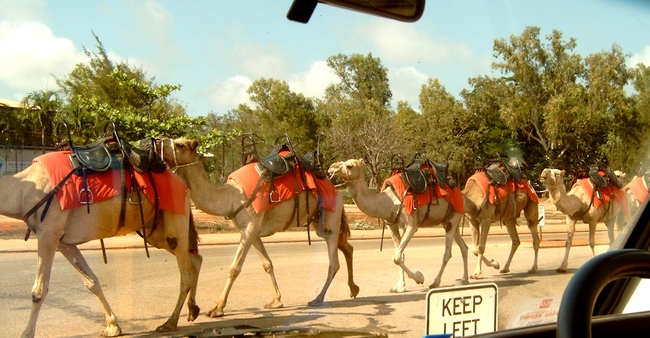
276	111
40	110
362	125
102	89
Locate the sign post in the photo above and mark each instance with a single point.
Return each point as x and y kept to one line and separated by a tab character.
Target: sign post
541	221
462	310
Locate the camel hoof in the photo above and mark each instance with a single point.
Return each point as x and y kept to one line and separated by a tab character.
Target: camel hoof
111	331
398	289
561	270
476	276
435	284
532	271
460	282
275	304
193	313
215	313
354	291
316	302
504	270
418	277
167	327
495	264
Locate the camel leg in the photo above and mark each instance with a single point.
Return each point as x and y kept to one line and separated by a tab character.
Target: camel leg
74	256
174	237
592	237
401	278
532	226
511	226
332	251
47	243
245	242
571	229
464	253
452	234
479	237
610	229
348	251
276	303
399	257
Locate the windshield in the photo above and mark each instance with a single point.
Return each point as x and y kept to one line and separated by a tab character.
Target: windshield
491	147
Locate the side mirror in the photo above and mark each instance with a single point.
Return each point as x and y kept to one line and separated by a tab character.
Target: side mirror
401	10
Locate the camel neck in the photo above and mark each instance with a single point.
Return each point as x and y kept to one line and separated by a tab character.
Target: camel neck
207	196
371	203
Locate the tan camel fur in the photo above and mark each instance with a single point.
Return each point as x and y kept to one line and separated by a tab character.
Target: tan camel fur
577	205
386	205
482	214
63	230
221	200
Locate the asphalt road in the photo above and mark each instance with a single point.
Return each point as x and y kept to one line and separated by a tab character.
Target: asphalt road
142	291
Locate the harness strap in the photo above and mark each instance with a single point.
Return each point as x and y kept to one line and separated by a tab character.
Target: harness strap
248	202
46	199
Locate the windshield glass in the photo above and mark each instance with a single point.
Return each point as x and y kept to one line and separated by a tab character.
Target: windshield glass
490	148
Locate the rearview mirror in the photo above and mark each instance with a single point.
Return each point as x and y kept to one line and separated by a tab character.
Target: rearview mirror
401	10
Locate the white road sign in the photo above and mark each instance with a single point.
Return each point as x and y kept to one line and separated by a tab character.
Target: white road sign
462	310
541	210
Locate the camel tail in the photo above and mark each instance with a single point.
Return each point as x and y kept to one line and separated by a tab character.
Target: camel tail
344	229
193	236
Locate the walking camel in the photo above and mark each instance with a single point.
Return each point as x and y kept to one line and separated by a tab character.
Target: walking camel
63	230
386	205
223	200
482	211
579	204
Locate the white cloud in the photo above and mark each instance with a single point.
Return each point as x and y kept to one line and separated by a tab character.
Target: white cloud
398	42
313	82
230	93
643	57
406	83
31	56
260	61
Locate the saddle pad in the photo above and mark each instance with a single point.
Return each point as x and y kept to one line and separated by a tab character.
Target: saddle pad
106	185
411	203
638	187
502	191
247	177
608	193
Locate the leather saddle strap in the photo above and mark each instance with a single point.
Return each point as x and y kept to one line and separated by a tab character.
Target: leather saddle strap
248	202
46	199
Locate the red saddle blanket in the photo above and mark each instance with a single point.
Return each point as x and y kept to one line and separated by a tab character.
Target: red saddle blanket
284	188
638	187
502	191
608	193
171	189
412	202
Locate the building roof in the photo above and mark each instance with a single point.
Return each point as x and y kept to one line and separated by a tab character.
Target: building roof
10	103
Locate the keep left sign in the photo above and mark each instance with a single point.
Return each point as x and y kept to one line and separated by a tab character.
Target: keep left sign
462	310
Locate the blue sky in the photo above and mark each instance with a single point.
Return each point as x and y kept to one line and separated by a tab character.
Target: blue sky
216	48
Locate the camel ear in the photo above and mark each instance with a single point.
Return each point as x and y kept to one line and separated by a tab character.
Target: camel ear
193	144
563	172
361	162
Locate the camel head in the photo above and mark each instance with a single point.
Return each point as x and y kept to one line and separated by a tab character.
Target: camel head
552	177
178	152
350	170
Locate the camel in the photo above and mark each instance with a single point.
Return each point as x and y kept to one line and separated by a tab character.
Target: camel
482	214
63	230
578	204
225	200
386	205
636	192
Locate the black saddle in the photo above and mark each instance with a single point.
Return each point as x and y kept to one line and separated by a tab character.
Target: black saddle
500	172
282	159
421	172
603	181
